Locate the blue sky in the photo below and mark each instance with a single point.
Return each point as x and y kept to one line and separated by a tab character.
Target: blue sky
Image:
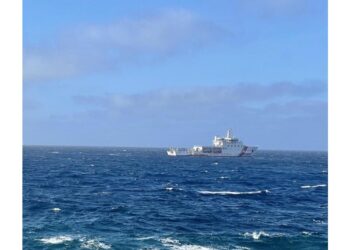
175	73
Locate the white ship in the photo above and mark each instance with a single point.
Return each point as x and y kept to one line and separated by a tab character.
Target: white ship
222	146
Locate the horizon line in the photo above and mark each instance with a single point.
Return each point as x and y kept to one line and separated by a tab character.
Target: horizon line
160	147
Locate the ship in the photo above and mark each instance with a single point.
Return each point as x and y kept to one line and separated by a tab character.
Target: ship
222	146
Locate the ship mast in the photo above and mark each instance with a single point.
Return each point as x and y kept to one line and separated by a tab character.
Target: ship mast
229	133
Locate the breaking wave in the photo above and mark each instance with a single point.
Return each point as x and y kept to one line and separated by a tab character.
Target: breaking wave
224	177
314	186
321	222
146	238
56	209
176	245
256	235
85	243
233	192
306	233
56	239
94	244
241	248
172	187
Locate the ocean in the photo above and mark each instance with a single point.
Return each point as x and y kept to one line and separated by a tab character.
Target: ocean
139	198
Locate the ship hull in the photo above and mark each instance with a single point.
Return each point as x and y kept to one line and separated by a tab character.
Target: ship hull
246	151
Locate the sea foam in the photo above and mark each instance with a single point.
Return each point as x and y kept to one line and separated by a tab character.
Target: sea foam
233	192
224	177
94	244
314	186
241	248
176	245
256	235
306	233
146	238
56	239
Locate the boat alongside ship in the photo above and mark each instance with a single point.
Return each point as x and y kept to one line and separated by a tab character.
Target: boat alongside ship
222	146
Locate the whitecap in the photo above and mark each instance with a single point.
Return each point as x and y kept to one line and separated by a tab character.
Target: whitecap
56	239
224	177
94	244
241	248
233	192
215	163
176	245
306	233
172	187
256	235
56	209
145	238
314	186
169	241
192	247
319	222
54	152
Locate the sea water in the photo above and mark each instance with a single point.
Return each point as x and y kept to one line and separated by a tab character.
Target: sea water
137	198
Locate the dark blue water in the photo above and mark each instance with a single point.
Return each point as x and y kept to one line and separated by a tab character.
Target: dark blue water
115	198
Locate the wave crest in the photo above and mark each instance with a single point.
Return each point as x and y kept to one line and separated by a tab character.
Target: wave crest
94	244
314	186
56	240
176	245
233	192
256	235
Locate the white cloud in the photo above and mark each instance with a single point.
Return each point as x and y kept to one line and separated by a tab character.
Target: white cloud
164	32
93	48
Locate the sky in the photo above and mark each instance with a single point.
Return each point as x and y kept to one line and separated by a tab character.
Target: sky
175	73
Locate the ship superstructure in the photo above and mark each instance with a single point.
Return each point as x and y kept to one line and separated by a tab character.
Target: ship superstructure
222	146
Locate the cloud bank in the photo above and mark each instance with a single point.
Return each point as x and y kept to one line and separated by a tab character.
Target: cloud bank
248	95
269	115
281	115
